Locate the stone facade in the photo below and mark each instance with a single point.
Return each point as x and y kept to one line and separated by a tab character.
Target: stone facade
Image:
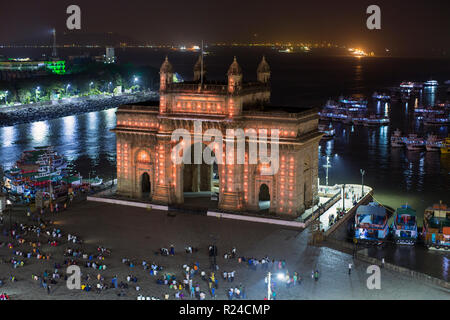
144	144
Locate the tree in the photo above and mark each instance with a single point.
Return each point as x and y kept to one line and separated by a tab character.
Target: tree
24	95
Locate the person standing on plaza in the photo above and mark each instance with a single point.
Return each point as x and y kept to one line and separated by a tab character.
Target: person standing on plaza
349	268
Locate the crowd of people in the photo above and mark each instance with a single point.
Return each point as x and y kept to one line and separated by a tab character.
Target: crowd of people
191	281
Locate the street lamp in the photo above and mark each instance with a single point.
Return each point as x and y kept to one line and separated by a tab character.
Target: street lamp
6	95
362	182
67	88
343	197
269	285
136	80
37	92
327	166
90	86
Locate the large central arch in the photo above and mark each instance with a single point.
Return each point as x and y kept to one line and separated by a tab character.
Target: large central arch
199	180
264	197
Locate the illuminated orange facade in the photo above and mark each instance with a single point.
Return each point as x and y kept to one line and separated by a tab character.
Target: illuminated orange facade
144	144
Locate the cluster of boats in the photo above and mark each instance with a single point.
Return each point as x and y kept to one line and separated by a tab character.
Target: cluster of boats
371	225
414	143
42	169
438	115
407	89
353	111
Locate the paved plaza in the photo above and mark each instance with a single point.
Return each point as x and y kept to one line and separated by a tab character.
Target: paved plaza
136	234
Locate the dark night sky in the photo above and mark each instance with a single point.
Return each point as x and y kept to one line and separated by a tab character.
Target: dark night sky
420	25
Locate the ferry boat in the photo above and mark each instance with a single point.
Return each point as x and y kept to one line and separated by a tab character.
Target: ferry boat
355	102
406	86
36	170
433	143
445	149
440	109
376	121
413	143
381	97
328	131
436	227
436	121
371	223
404	227
397	140
359	121
431	83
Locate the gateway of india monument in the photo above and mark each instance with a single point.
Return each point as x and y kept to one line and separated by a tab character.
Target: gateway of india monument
146	170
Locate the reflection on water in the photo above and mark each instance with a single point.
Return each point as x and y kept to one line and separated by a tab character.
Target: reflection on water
8	136
398	176
39	132
84	139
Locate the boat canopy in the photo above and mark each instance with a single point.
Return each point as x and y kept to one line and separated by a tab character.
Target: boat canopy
373	210
406	210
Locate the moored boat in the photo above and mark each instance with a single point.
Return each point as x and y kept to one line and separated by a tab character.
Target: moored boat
376	121
433	143
436	227
381	97
397	140
436	120
371	223
404	227
414	143
431	83
445	149
328	131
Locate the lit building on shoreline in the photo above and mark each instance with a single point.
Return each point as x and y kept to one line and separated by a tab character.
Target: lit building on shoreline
144	144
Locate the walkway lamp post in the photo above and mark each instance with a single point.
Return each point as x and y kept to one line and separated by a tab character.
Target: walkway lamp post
362	182
67	89
269	285
327	166
37	93
136	80
343	197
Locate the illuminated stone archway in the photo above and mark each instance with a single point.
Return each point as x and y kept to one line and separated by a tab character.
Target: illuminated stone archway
146	186
231	105
264	197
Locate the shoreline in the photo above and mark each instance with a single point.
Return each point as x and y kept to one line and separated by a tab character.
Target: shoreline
15	115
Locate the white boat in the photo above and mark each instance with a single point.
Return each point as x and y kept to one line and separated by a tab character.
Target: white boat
413	143
406	86
376	121
433	143
359	121
436	121
328	131
397	140
431	83
354	102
